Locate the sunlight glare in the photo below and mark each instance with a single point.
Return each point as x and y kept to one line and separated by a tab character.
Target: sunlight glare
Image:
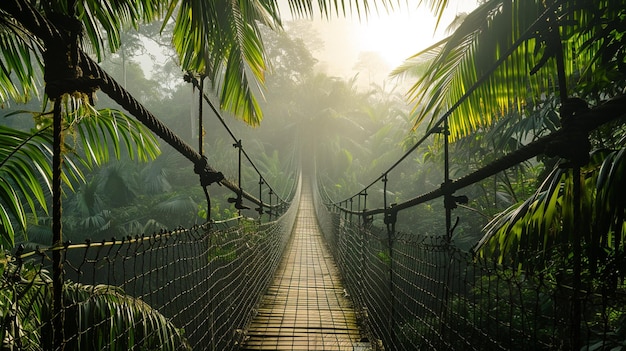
398	35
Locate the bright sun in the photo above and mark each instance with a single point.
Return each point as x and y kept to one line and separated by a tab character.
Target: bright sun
393	35
397	36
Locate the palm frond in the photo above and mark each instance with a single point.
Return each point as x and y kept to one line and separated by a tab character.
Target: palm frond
104	21
102	131
545	220
327	9
105	317
100	316
502	55
19	64
24	161
470	54
222	40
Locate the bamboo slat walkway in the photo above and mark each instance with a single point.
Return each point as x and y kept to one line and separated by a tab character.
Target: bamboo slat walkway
305	307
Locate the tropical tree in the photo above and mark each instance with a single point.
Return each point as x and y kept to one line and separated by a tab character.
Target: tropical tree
516	56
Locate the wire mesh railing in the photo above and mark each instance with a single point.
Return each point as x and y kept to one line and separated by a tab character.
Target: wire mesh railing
186	289
420	292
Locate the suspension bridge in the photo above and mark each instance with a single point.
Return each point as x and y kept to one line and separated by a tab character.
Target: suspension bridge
316	274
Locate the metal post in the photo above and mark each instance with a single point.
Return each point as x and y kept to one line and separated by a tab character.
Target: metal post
390	221
201	143
260	209
240	194
57	228
351	203
365	199
446	179
577	261
270	209
200	125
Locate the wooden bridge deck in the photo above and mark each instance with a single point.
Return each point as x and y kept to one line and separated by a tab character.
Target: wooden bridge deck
305	308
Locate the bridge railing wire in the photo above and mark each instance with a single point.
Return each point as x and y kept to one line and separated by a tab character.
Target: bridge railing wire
205	282
421	292
198	85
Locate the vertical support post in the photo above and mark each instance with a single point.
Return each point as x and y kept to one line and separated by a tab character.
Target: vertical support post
446	179
566	115
239	199
365	199
577	261
200	119
201	142
260	209
63	57
57	228
351	203
391	230
385	192
449	204
390	221
270	209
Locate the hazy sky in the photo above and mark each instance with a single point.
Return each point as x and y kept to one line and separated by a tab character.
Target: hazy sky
394	36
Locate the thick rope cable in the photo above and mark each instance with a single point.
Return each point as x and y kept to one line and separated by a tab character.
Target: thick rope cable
551	145
116	92
42	28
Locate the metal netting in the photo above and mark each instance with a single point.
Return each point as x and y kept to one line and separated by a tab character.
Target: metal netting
202	283
423	293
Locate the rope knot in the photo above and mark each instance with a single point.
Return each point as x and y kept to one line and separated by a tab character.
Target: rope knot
207	176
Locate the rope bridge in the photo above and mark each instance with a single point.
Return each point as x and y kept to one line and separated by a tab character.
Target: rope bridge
200	288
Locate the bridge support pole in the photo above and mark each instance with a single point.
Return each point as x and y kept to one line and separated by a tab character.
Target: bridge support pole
390	219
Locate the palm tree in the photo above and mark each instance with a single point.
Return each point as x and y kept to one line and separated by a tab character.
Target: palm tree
25	161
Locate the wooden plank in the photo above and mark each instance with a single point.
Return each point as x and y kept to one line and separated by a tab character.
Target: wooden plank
305	307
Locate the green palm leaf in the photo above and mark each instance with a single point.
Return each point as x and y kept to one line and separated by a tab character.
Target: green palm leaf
328	8
24	161
96	311
20	59
222	40
103	130
101	316
481	52
545	220
104	21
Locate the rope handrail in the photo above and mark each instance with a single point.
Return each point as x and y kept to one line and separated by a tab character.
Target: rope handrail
124	99
47	31
588	121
